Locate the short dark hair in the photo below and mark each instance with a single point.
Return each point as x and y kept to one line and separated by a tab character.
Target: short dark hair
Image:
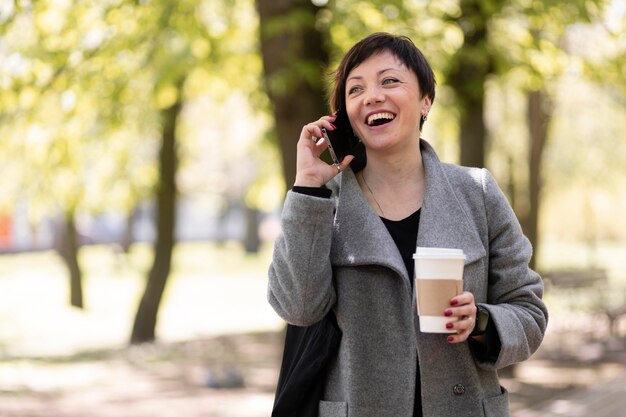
401	47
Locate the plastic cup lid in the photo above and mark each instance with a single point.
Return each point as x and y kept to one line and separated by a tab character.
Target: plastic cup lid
438	253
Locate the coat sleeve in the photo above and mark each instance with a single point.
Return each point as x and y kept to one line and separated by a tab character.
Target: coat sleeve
515	291
300	286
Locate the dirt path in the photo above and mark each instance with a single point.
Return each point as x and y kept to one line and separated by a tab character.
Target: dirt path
153	381
184	379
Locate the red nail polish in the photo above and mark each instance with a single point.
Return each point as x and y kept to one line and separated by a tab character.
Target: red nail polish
447	313
453	302
450	339
449	325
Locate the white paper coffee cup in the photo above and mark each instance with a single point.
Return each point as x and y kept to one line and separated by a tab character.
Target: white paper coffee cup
438	278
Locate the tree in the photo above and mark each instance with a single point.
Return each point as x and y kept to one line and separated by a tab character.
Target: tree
535	47
539	115
145	320
294	60
190	47
115	67
470	67
62	109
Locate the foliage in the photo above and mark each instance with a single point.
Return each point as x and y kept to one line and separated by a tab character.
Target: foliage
84	81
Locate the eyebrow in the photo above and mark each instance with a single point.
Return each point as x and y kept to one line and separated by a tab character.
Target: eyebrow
358	77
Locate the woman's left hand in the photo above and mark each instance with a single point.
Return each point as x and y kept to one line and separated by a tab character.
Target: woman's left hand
462	306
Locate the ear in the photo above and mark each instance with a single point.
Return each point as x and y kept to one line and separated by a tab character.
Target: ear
427	105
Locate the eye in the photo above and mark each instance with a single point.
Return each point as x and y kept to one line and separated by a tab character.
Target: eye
354	89
388	81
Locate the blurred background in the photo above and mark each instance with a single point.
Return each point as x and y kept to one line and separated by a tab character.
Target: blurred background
146	147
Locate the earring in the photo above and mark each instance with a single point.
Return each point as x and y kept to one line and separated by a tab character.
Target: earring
424	117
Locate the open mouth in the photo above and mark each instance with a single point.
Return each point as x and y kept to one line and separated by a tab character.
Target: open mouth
379	119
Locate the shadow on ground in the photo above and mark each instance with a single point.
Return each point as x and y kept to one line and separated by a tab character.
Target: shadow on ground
234	375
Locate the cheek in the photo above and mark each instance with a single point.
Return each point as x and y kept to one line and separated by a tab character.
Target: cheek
353	115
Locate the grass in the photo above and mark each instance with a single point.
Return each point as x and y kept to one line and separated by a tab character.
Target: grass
610	256
212	290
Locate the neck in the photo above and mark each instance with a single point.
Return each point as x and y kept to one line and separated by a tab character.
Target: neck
396	169
393	184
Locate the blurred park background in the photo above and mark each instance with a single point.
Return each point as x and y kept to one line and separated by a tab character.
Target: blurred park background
146	146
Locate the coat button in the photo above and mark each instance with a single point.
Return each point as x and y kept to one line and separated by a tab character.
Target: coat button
458	389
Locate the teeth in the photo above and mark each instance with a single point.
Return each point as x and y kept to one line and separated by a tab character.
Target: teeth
374	117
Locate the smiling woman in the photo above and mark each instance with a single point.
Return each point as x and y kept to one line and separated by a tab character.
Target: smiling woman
385	105
349	232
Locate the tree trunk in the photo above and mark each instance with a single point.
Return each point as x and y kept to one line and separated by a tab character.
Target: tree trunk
511	186
252	243
470	69
539	115
294	60
128	237
473	135
68	249
146	317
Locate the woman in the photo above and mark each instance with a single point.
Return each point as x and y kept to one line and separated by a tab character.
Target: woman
347	241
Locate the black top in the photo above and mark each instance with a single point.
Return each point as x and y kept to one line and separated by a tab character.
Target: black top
404	233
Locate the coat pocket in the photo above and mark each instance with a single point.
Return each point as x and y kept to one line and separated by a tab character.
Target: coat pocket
497	406
333	409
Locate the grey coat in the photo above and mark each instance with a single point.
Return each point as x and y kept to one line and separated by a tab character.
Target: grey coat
337	254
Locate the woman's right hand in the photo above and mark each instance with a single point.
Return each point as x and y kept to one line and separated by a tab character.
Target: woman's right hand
311	171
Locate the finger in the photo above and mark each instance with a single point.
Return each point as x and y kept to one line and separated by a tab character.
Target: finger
463	329
462	305
314	128
326	122
345	163
465	297
467	310
329	118
461	325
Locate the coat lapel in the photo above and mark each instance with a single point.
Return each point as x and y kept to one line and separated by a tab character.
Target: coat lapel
443	221
360	236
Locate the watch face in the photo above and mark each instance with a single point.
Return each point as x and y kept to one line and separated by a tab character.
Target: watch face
482	319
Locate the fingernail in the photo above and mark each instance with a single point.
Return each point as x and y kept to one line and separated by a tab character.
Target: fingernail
334	127
450	339
454	302
447	313
449	325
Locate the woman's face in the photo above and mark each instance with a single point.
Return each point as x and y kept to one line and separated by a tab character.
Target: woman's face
383	102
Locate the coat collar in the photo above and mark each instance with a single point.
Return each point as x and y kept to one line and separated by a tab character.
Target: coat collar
444	222
361	238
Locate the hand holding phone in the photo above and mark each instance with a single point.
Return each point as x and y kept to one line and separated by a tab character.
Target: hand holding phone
311	169
341	141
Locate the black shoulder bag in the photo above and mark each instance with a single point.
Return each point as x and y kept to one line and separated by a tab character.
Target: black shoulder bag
307	353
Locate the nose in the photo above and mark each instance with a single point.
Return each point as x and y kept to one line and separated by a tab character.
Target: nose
374	95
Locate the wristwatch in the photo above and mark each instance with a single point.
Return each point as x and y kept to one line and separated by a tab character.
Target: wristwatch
482	320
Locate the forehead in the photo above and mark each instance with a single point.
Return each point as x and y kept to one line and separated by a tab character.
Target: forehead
381	61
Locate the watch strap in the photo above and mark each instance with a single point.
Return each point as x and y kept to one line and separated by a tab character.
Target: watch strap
482	321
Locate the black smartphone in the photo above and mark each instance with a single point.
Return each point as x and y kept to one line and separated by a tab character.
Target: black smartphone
341	141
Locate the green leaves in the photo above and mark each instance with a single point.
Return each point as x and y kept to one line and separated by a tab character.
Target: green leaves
86	80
